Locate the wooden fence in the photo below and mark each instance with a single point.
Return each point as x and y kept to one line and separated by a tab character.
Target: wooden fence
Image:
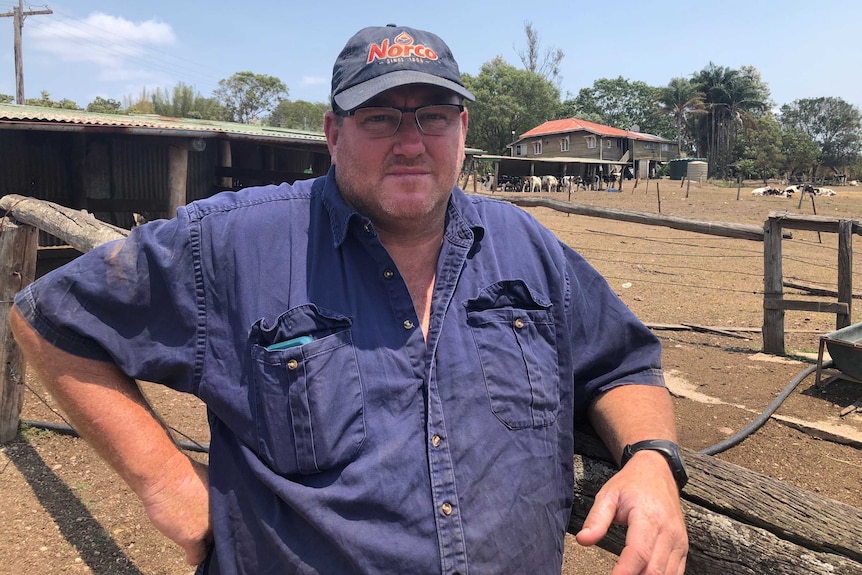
739	522
772	233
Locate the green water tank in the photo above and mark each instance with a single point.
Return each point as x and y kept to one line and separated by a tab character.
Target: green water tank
679	167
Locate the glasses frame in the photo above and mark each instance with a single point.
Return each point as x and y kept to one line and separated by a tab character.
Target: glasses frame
402	111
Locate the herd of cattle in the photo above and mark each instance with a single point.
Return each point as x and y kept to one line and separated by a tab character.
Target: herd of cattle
574	183
790	190
545	183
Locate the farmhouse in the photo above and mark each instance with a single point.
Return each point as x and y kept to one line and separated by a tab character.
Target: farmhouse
577	148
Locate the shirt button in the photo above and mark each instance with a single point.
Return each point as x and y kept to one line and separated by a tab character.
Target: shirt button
408	324
388	274
435	441
519	323
367	227
446	508
292	364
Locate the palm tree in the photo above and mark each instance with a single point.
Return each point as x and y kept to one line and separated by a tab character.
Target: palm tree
680	100
730	99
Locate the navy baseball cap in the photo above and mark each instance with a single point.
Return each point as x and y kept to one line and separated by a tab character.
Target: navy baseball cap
379	58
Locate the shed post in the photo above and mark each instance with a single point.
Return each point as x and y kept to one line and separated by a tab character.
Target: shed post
18	245
225	161
773	288
845	272
178	171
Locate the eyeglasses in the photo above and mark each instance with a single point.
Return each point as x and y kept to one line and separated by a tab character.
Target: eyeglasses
380	122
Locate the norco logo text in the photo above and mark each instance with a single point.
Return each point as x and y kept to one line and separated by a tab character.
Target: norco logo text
403	47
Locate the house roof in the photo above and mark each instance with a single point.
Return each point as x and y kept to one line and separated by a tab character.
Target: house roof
567	125
57	119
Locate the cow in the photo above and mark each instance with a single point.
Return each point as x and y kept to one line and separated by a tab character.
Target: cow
550	184
532	184
769	191
569	183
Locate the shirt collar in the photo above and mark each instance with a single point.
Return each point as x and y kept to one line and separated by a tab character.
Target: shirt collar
463	224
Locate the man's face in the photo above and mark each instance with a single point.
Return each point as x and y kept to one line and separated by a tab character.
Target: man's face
402	181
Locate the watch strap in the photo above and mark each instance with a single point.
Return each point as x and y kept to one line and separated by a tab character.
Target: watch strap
668	448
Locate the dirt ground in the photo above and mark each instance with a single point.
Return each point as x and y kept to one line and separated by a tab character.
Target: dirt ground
63	511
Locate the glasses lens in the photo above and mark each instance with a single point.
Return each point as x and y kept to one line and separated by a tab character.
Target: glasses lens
378	122
438	120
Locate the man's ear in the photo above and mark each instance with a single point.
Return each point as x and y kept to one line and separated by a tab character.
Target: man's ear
331	128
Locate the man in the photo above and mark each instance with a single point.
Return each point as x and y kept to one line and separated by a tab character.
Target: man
391	369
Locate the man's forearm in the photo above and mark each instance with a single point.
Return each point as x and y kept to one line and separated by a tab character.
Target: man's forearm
632	413
106	407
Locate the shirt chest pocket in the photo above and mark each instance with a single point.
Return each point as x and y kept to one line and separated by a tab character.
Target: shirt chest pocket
515	337
308	397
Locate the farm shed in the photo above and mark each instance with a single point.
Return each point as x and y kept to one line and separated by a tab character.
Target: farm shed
116	165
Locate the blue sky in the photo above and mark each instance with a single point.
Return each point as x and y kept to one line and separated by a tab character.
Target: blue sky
90	48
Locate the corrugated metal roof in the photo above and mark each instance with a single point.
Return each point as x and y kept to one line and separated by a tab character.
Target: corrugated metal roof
45	118
575	124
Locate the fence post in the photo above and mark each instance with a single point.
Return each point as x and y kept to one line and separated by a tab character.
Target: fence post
773	288
18	244
845	272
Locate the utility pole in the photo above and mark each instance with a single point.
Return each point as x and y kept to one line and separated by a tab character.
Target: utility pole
18	21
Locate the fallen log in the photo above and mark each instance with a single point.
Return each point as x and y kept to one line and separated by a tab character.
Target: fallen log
739	522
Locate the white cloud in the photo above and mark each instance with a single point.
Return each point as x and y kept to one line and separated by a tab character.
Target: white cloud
122	50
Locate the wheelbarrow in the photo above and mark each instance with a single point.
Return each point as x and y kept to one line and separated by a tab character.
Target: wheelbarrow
845	349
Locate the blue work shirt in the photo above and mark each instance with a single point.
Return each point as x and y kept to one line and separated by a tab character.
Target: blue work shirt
365	450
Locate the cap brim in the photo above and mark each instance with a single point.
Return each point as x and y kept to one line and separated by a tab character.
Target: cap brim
361	93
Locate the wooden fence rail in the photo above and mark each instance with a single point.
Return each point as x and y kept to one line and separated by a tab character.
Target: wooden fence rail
740	523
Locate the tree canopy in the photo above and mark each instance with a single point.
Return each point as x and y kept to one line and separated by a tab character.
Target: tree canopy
831	123
183	101
104	106
508	103
624	104
299	115
247	96
45	101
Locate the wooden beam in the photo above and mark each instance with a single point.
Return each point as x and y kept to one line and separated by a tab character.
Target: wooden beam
814	223
178	173
730	230
772	303
77	228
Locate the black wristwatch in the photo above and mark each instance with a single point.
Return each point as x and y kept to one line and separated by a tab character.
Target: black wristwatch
669	449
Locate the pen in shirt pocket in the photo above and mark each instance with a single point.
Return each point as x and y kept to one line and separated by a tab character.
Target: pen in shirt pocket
294	342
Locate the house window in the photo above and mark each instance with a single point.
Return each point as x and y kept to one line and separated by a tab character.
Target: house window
608	144
564	144
649	146
519	150
537	148
591	142
665	147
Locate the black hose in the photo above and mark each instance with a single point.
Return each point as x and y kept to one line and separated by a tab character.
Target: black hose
67	429
763	417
